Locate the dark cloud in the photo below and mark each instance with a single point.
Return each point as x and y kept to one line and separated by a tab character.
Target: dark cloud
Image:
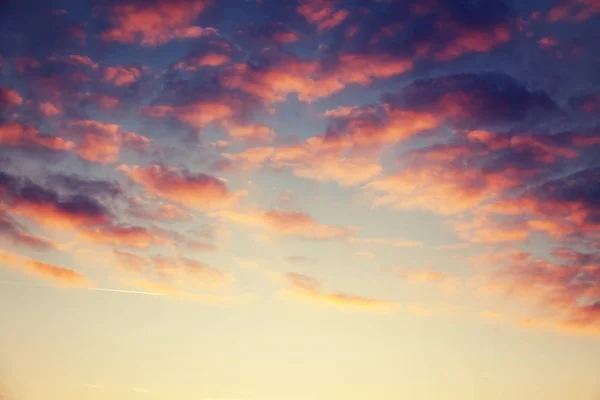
270	33
75	184
587	103
475	100
581	188
20	193
438	29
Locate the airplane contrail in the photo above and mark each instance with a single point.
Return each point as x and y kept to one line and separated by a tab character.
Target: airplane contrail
87	288
125	291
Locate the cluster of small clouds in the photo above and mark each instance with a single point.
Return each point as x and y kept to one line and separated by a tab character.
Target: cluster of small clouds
500	158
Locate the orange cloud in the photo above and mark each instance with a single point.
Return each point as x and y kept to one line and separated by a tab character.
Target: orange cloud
60	275
572	327
558	208
57	275
15	134
285	223
393	242
492	235
439	189
292	223
251	132
308	80
399	125
100	142
198	114
347	171
351	157
16	235
56	214
157	22
564	292
307	288
121	76
483	228
553	228
128	261
198	191
442	280
130	236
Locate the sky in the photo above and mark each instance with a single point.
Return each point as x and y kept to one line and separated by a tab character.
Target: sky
300	199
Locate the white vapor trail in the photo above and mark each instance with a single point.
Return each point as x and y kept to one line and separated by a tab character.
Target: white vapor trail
86	288
125	291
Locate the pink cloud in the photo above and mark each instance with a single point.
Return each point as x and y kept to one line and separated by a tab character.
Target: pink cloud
472	41
286	37
82	60
250	132
121	76
322	13
101	142
198	191
197	114
15	134
9	97
573	10
210	59
308	80
156	22
50	110
103	101
97	141
547	42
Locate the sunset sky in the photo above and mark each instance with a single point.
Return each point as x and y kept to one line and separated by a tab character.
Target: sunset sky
299	199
